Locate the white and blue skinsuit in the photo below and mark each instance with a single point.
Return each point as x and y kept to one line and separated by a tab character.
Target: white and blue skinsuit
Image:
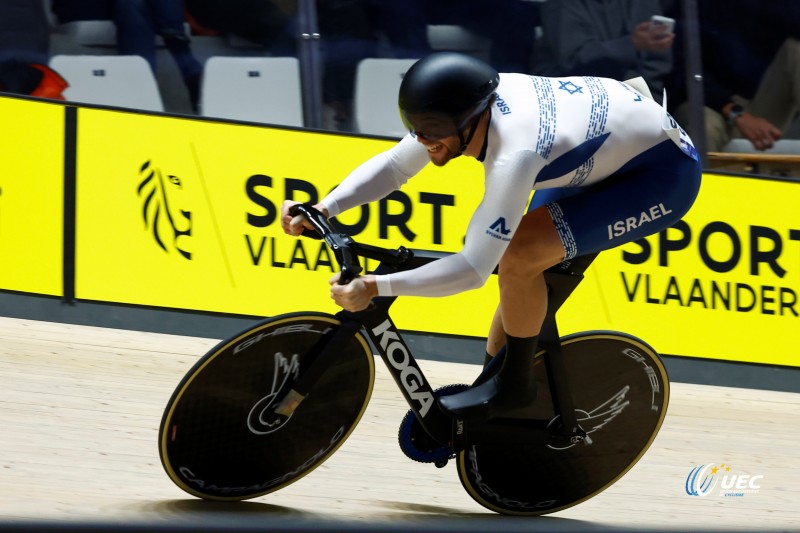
608	162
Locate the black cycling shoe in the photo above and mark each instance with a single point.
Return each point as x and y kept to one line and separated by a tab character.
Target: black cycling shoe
492	398
491	367
506	384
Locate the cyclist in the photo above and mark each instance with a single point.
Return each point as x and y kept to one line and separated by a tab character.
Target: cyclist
608	165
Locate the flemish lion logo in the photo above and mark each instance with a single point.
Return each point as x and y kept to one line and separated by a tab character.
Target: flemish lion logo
156	211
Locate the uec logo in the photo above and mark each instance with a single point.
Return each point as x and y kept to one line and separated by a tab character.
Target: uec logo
703	479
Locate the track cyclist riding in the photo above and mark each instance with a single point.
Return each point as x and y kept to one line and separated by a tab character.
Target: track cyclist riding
599	153
271	403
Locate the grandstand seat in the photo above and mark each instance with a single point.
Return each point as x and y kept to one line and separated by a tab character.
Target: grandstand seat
375	100
255	89
121	81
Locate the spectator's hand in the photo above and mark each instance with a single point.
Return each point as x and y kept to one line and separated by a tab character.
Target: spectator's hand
758	131
648	38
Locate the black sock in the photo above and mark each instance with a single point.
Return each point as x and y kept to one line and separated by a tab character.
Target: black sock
518	361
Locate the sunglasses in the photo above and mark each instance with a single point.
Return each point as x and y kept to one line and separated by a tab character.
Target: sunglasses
428	135
430	127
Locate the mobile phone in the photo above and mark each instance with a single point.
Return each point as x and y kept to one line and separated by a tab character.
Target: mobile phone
662	24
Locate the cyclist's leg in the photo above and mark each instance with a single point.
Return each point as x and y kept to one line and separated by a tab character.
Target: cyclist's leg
541	198
497	337
523	303
535	247
650	193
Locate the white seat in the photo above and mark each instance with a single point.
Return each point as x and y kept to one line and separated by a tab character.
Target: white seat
121	81
375	101
255	89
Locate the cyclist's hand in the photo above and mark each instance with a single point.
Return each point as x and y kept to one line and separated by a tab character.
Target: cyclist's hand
295	225
356	295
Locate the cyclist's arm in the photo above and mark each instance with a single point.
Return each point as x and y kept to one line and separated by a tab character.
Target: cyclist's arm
508	186
377	177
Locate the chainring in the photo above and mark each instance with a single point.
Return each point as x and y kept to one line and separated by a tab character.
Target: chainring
415	441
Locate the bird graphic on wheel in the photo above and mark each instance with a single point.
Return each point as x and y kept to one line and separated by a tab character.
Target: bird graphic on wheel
262	418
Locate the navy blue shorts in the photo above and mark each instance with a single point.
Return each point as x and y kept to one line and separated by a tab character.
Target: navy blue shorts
648	194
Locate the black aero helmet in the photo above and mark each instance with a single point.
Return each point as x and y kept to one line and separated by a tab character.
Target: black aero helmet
441	93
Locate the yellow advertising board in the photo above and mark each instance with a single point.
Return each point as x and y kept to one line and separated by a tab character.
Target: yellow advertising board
723	283
180	213
31	196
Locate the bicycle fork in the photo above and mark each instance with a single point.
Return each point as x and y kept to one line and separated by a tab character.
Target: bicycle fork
327	350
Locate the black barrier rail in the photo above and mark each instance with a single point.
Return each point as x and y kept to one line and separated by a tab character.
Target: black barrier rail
70	198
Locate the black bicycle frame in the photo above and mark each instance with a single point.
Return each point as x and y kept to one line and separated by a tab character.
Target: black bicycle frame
561	280
390	345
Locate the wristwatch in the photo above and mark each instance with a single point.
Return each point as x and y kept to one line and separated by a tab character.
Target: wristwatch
735	112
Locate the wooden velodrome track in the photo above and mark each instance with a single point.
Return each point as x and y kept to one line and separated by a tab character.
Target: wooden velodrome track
80	408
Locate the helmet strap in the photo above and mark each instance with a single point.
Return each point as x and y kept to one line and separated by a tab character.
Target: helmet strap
473	128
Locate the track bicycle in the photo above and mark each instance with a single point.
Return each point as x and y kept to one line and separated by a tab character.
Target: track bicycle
268	405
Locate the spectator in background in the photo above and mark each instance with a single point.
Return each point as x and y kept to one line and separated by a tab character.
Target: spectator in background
606	38
75	10
751	70
510	25
24	51
402	26
268	23
138	23
352	30
356	29
272	24
346	40
24	28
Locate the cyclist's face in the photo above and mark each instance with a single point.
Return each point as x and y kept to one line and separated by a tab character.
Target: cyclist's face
439	136
441	151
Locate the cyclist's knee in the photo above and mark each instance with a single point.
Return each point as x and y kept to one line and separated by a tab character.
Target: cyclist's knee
531	252
523	261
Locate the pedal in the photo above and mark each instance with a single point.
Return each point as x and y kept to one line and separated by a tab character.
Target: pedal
415	442
419	446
